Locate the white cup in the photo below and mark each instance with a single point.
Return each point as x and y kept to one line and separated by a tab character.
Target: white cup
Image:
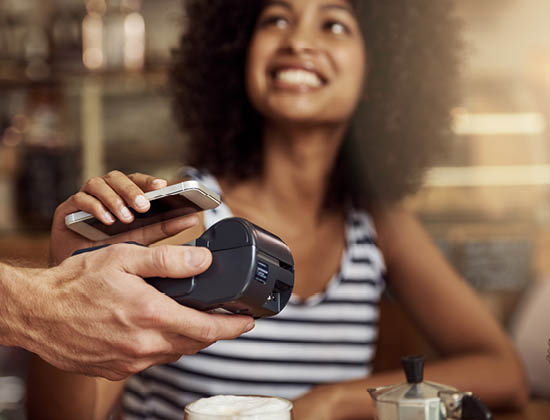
239	407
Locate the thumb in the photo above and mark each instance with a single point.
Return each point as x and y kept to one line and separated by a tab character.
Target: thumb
173	261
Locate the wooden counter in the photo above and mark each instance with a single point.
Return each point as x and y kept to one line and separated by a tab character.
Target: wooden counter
27	250
535	410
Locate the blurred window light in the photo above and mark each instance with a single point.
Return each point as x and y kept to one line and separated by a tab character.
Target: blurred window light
522	123
96	6
134	45
92	41
482	176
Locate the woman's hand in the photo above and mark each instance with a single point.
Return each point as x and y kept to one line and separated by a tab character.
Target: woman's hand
318	404
108	198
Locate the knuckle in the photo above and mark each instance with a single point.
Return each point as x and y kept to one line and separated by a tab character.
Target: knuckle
209	333
119	252
112	174
79	197
152	313
94	181
130	367
130	349
92	184
147	347
161	258
138	349
59	211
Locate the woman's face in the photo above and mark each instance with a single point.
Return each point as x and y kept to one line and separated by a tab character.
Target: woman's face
306	61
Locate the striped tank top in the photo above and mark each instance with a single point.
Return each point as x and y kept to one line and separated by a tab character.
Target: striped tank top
327	338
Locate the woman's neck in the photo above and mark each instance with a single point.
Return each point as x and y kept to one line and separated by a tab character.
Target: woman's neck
297	163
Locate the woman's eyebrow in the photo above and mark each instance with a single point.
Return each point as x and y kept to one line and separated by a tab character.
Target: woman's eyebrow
337	6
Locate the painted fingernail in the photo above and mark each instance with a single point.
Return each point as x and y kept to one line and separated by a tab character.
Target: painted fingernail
126	214
142	202
108	217
196	256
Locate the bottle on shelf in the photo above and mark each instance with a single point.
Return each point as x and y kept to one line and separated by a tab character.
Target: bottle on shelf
113	36
48	164
66	36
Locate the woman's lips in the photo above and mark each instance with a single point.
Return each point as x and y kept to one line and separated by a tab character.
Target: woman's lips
294	78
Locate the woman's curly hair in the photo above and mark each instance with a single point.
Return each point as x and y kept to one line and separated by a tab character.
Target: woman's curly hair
401	123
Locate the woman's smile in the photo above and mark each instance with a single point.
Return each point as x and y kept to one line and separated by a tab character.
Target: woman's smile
296	76
296	79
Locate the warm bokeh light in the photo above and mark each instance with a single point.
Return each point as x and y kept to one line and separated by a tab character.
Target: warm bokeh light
134	41
96	6
92	41
485	176
466	123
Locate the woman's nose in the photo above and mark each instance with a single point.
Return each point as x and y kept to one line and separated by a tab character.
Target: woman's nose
300	39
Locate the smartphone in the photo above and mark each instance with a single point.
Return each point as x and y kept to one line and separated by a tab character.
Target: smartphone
167	203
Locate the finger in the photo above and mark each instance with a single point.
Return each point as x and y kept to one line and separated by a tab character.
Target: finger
126	188
177	346
177	262
147	182
154	233
88	203
172	261
101	190
183	346
201	326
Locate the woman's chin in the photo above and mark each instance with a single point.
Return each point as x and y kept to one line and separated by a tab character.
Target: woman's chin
298	115
304	110
298	119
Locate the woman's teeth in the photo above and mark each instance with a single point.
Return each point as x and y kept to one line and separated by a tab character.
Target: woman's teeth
298	77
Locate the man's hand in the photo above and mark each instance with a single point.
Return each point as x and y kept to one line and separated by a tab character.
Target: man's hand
94	314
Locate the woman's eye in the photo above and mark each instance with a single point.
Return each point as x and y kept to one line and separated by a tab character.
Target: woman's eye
276	21
336	28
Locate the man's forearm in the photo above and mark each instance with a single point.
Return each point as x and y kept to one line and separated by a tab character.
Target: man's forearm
16	302
9	276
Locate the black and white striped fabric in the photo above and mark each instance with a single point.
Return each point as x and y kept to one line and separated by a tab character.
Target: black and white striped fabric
330	337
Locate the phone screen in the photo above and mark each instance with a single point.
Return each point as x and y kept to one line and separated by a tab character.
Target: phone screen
161	209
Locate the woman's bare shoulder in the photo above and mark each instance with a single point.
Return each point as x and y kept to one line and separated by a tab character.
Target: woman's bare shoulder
395	227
